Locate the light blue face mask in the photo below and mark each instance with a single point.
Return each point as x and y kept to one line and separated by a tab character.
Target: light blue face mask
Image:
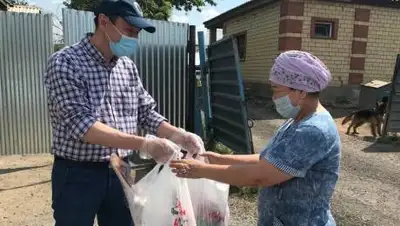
126	46
285	108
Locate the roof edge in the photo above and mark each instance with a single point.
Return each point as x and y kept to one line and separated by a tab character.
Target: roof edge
379	3
217	22
239	10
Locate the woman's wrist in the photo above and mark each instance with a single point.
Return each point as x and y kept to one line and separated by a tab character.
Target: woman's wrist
204	170
218	159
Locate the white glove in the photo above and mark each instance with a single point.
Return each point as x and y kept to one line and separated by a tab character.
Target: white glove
160	149
189	142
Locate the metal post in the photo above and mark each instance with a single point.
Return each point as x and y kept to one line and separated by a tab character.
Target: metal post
392	94
205	86
191	86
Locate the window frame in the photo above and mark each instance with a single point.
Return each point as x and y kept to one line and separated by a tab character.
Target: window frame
334	27
244	35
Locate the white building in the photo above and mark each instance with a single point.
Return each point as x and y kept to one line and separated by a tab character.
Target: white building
6	5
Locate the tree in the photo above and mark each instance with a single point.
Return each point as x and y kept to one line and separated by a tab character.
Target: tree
154	9
18	2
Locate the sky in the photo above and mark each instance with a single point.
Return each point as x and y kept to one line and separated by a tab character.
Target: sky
194	17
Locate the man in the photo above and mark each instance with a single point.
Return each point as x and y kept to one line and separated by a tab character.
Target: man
96	102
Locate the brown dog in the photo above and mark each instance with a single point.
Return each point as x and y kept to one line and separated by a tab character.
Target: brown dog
373	116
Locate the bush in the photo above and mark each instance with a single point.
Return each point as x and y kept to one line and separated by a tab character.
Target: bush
221	149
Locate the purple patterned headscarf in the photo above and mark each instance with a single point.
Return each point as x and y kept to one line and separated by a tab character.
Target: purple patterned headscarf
300	70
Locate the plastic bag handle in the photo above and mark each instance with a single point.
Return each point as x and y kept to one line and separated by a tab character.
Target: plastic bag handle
176	155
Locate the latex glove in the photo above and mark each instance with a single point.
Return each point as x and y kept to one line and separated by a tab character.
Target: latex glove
160	149
189	142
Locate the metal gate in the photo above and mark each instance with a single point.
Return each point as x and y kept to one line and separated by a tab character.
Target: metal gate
224	99
392	119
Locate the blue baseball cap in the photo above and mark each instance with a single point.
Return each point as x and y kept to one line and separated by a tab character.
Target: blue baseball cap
129	10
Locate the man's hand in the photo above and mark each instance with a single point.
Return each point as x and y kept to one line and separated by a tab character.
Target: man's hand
189	142
160	149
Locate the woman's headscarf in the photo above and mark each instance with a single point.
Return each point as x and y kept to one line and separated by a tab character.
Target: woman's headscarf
300	70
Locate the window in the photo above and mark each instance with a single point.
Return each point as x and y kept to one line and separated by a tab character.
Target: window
324	28
241	45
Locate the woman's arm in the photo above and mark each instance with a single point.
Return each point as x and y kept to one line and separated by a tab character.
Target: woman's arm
257	174
262	174
219	159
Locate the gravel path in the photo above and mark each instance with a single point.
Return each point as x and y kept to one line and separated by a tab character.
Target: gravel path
368	192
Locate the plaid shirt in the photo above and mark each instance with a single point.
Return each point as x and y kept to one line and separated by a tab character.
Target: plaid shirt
83	88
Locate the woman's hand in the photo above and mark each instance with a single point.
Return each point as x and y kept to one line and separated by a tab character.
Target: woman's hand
213	157
187	168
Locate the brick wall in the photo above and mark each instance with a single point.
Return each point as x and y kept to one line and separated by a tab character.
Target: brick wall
334	53
367	43
364	48
291	25
262	27
383	43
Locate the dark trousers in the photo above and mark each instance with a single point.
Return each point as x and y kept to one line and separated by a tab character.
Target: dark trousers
82	191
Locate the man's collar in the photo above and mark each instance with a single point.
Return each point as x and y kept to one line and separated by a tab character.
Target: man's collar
94	52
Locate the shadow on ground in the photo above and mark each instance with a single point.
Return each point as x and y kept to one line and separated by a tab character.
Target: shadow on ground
381	148
25	186
370	139
12	170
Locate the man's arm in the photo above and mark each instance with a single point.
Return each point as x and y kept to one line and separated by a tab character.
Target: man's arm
100	133
156	124
68	99
166	130
149	119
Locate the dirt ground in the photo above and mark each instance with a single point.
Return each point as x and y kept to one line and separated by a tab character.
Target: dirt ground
368	192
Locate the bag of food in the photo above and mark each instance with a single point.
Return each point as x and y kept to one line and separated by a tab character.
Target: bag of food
127	178
210	201
159	198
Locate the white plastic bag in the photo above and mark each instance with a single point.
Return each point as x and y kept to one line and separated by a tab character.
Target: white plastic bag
161	198
127	178
210	201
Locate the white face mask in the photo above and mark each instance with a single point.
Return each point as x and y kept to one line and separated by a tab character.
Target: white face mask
285	108
126	46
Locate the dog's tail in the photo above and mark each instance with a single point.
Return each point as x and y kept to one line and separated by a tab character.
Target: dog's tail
347	118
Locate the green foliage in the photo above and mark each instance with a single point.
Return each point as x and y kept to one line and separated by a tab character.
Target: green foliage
18	2
221	149
58	47
154	9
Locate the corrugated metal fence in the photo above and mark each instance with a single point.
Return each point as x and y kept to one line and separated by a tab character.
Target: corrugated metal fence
25	44
161	60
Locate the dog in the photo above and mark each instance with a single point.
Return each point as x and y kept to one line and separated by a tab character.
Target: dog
373	116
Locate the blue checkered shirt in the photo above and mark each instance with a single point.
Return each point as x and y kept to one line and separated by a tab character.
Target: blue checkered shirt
83	88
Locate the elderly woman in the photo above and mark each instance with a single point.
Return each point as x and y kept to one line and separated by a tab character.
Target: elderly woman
298	169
